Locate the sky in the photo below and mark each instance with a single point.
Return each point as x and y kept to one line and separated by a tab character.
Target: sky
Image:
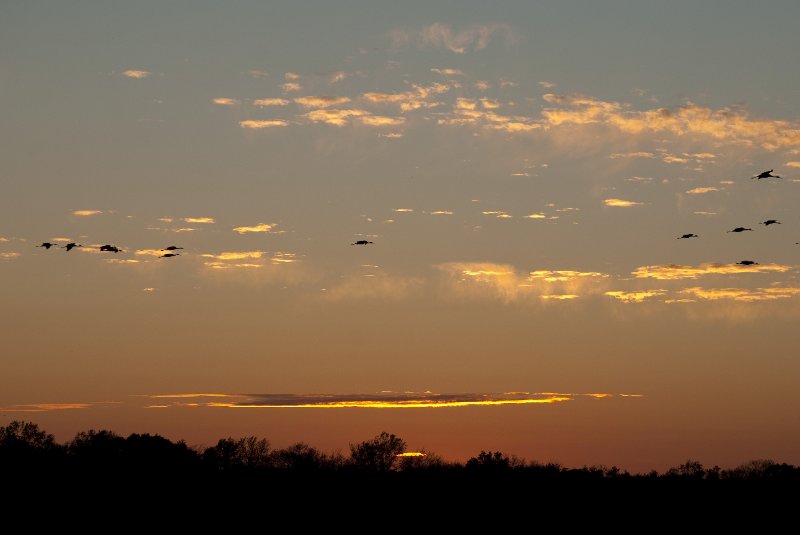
524	172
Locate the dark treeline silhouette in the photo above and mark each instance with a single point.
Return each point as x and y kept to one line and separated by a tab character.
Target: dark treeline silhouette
248	472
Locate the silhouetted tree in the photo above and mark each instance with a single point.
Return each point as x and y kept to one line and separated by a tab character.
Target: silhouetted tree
97	447
21	435
378	454
299	457
248	452
488	460
690	469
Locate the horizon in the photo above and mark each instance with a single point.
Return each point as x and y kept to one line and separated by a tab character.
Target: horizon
546	230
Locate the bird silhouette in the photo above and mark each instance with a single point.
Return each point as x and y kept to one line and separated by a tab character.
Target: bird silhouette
739	229
70	246
169	255
361	242
747	263
765	174
769	222
47	245
171	248
688	236
110	248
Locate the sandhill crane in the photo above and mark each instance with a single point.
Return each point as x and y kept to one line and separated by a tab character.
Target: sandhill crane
47	245
747	263
688	236
71	245
361	242
739	229
110	248
169	255
769	222
171	248
765	174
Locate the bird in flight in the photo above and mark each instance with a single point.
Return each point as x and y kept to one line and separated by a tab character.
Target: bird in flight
765	174
71	245
769	222
747	263
47	245
110	248
169	255
685	236
171	248
361	242
739	229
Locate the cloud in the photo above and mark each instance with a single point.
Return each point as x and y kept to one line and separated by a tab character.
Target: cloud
86	213
122	261
674	159
391	135
740	294
136	74
334	117
620	203
792	164
411	100
290	87
258	125
322	101
700	191
166	219
535	216
291	76
559	297
677	272
705	213
235	255
378	286
255	73
474	37
498	214
482	85
402	210
634	297
639	154
264	102
337	76
46	407
448	72
205	220
564	276
149	252
9	256
547	85
261	227
224	101
441	212
379	120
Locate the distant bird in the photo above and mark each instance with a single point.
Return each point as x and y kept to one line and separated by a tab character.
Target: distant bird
765	174
769	222
47	245
739	229
171	248
747	263
688	236
169	255
70	246
110	248
361	242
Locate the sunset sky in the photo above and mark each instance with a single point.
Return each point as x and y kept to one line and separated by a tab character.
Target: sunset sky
523	169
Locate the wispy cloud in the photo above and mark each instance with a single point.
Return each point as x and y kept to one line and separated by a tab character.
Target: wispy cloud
441	212
448	72
417	97
86	213
322	101
498	214
792	164
474	37
634	297
136	74
290	87
700	191
380	120
291	76
149	252
204	220
620	203
264	102
334	117
9	256
564	276
402	210
261	227
742	294
677	272
235	255
258	125
224	101
638	154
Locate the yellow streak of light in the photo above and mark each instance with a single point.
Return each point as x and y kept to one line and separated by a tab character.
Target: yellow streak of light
412	454
409	404
206	395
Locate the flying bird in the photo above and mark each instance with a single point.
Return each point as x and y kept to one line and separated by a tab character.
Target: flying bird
769	222
361	242
110	248
171	248
688	236
765	174
47	245
169	255
70	246
747	263
739	229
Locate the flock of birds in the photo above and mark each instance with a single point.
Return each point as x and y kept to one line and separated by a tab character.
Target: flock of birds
169	252
768	222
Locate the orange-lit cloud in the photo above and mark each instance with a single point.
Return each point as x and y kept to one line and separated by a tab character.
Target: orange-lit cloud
136	74
536	216
264	102
86	213
290	87
261	227
409	100
639	154
448	72
677	272
323	101
258	125
620	203
498	214
564	276
334	116
441	212
634	297
380	120
224	101
402	210
792	164
149	252
742	294
559	297
9	256
235	255
291	76
474	37
700	191
204	220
